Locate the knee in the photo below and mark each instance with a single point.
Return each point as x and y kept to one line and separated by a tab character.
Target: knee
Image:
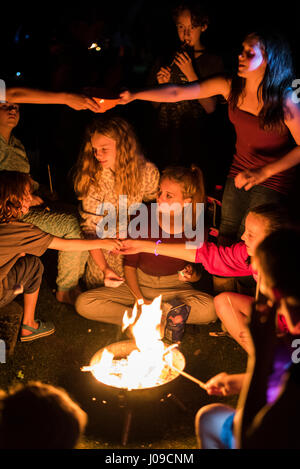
205	415
221	302
209	426
204	422
89	306
36	266
81	305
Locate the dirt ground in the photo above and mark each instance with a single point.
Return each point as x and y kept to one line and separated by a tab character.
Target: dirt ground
162	419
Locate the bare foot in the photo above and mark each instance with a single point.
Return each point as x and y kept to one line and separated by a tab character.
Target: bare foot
68	296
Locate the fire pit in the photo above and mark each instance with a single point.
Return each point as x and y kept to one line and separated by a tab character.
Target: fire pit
139	369
111	366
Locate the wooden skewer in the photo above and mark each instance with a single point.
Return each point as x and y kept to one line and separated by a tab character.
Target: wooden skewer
50	179
87	368
186	375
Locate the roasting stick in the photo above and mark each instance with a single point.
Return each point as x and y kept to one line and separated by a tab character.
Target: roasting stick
87	368
186	375
50	179
183	373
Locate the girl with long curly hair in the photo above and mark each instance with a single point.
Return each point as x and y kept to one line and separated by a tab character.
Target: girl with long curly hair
266	118
110	165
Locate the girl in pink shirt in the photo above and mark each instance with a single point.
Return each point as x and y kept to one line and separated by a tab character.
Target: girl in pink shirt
232	309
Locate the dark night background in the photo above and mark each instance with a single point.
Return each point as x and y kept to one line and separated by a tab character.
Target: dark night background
45	45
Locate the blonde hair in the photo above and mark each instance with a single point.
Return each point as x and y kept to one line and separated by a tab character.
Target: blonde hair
127	170
192	182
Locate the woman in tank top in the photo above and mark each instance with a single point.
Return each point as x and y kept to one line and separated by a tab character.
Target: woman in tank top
264	111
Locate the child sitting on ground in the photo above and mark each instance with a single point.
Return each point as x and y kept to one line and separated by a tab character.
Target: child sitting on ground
21	244
268	409
232	309
148	276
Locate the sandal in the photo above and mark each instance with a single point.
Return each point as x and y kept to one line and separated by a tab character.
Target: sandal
44	329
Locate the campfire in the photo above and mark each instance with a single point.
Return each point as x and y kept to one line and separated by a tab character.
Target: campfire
144	362
142	369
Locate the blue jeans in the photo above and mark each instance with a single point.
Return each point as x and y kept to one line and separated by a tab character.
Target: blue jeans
236	203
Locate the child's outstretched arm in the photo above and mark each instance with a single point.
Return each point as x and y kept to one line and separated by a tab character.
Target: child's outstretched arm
226	261
179	251
61	244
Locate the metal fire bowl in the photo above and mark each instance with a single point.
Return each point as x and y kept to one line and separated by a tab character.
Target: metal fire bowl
122	350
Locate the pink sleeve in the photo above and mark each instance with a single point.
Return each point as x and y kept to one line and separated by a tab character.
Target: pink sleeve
229	261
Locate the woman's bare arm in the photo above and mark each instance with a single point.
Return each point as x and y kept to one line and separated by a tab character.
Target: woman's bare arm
187	91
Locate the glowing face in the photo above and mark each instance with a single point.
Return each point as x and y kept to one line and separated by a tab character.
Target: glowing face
9	115
256	229
252	59
26	202
170	192
187	32
105	150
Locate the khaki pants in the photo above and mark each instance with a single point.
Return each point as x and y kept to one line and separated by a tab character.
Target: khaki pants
107	304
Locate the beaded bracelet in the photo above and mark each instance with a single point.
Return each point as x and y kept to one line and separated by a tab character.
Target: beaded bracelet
157	243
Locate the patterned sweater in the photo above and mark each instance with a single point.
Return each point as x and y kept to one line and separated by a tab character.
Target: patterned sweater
91	207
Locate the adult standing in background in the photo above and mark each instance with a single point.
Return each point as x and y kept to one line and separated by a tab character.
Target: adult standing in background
266	121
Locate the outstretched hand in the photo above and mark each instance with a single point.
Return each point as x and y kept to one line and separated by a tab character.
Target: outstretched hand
129	246
80	102
126	97
113	245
